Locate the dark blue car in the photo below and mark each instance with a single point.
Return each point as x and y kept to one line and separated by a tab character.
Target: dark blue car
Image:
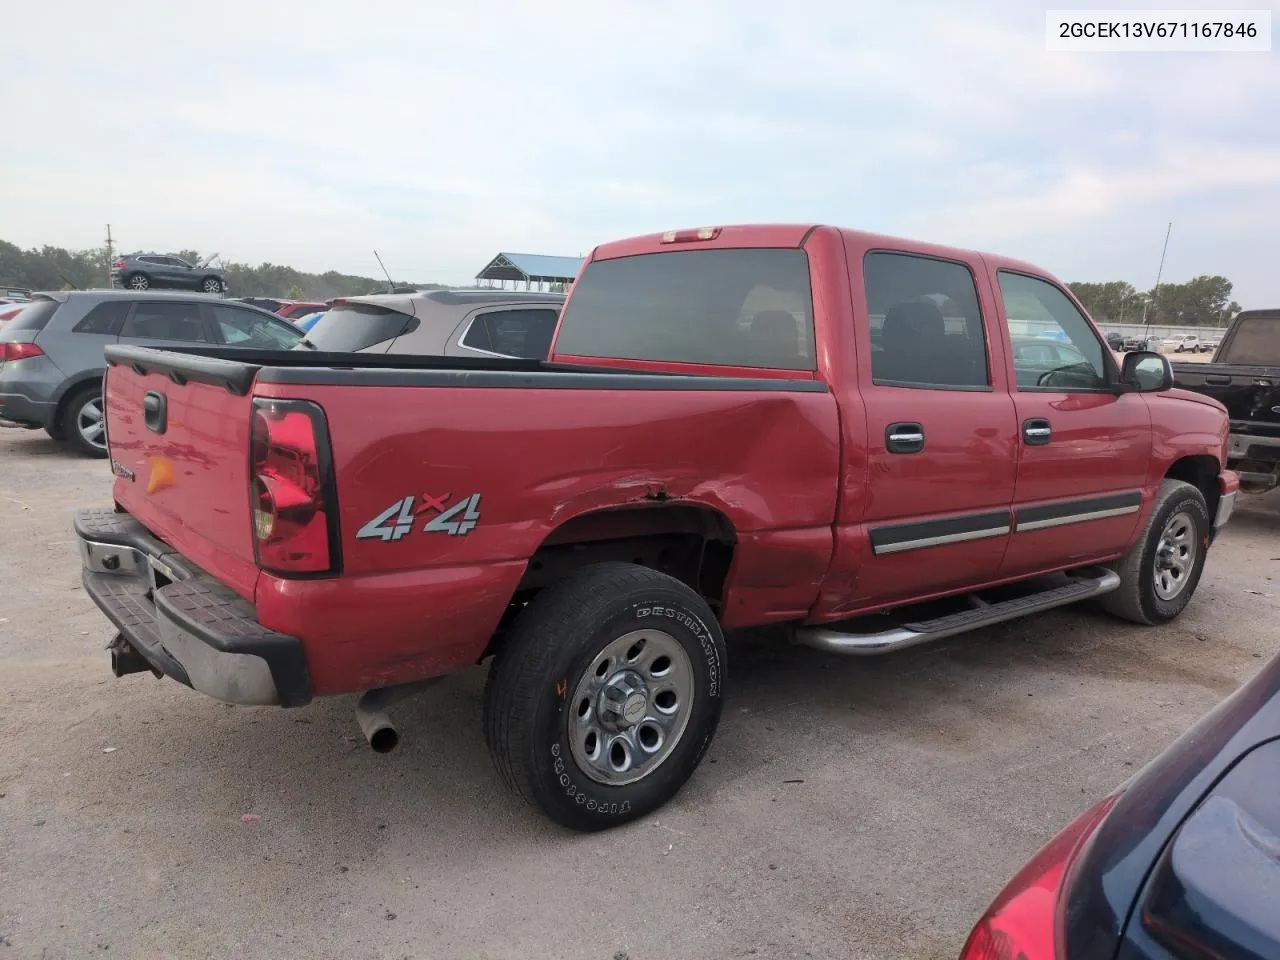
1181	862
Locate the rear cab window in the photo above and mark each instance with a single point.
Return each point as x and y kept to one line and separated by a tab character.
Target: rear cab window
349	327
1255	341
743	307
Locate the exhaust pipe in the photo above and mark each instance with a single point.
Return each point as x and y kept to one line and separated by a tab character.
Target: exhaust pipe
126	660
371	713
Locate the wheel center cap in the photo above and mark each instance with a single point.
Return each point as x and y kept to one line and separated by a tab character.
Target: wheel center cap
635	707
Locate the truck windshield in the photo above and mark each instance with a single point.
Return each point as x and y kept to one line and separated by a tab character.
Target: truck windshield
733	308
1255	340
348	327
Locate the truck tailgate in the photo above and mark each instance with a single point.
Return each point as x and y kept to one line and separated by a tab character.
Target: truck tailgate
179	448
1251	393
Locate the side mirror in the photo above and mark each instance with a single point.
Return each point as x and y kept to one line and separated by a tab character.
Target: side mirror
1146	372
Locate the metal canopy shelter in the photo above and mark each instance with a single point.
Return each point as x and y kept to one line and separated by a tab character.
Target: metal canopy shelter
530	269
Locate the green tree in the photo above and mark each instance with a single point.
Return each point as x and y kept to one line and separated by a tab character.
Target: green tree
1112	302
1203	301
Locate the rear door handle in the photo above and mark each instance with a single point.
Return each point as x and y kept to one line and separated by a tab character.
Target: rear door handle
1036	432
1217	380
904	438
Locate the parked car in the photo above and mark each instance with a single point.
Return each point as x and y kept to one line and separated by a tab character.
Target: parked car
15	295
1183	343
293	309
713	444
1244	376
1037	359
51	354
1115	341
451	323
1180	861
145	271
305	323
265	303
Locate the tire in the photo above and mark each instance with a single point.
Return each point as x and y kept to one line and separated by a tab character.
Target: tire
76	418
1179	507
211	285
138	281
601	636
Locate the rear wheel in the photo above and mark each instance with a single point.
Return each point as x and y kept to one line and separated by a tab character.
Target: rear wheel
1159	574
606	695
84	423
138	281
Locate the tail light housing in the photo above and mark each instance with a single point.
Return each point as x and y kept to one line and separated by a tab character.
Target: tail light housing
118	264
1025	922
18	351
293	499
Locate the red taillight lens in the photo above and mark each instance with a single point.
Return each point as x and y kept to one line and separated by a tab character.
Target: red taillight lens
1025	921
19	351
294	514
118	264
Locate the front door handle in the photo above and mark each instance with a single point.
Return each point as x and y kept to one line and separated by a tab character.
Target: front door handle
1037	432
904	438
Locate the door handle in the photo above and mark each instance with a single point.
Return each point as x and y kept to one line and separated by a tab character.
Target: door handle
904	438
1037	432
1217	380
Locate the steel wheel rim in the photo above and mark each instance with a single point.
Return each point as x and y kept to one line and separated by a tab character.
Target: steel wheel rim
630	707
92	425
1176	553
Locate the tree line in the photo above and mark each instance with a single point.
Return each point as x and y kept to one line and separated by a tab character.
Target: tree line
55	268
1203	301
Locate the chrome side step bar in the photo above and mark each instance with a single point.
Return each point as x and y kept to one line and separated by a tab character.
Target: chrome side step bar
1097	582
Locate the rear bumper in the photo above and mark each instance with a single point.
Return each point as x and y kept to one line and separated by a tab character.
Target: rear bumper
19	408
184	623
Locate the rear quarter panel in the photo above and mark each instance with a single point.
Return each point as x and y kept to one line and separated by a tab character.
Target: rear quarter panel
429	602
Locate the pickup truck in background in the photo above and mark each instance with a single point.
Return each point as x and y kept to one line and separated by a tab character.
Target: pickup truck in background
1244	376
736	427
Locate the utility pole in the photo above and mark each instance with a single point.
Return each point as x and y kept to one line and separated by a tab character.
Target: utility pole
1155	291
110	256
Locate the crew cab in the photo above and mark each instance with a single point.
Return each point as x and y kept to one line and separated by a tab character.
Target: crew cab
1244	376
736	427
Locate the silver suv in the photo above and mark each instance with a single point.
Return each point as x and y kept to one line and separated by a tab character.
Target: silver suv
147	271
51	361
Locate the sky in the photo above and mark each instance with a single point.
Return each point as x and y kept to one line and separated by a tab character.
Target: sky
312	133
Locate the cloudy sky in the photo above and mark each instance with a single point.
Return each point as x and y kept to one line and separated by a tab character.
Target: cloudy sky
311	133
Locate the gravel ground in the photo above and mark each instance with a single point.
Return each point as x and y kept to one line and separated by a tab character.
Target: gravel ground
848	808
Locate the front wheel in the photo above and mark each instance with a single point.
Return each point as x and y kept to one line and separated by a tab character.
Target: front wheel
211	285
606	695
1159	574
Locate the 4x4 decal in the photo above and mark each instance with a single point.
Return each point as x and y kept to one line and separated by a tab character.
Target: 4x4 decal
397	520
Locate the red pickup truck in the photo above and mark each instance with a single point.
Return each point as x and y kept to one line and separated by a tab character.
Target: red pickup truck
737	426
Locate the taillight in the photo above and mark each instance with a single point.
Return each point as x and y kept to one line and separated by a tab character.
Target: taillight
118	264
293	500
19	351
1025	921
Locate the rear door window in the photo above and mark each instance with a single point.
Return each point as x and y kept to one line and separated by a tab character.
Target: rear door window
165	321
106	318
33	317
732	308
349	327
245	328
524	333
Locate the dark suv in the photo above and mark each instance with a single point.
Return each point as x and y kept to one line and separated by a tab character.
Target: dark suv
146	271
51	360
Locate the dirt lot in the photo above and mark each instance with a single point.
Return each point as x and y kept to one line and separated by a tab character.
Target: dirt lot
924	780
